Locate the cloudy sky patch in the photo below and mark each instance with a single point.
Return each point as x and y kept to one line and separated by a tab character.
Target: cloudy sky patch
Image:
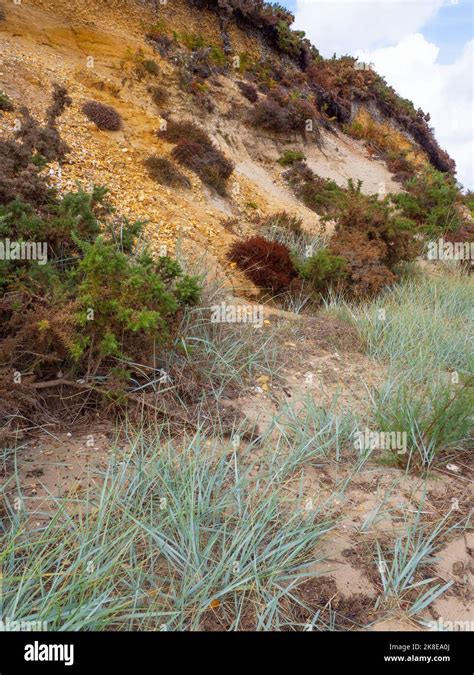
424	48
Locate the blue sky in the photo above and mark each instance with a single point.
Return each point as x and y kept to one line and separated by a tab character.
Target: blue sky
450	29
424	48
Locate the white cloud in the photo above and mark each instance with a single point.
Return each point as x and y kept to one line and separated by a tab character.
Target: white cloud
445	91
388	33
342	26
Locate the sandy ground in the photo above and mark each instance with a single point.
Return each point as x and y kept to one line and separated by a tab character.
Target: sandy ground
376	506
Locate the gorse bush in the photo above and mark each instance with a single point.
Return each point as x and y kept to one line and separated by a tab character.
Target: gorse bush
122	303
432	200
322	271
267	263
195	150
366	273
87	302
105	117
373	238
165	172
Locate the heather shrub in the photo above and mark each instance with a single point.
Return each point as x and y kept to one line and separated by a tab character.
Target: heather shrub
5	102
400	166
322	270
267	263
159	95
212	167
160	41
268	114
24	155
145	67
283	112
249	91
289	157
105	117
195	150
185	131
165	172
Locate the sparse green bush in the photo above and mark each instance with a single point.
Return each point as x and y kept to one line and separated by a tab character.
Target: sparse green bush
105	117
289	157
151	67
